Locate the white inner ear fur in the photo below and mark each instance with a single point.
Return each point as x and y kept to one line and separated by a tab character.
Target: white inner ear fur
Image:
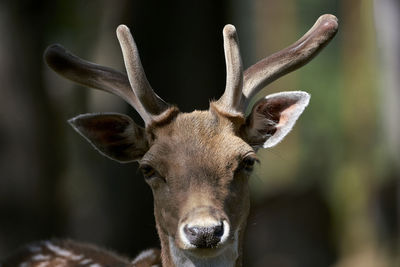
287	119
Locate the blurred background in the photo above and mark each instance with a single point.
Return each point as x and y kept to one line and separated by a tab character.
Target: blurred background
329	195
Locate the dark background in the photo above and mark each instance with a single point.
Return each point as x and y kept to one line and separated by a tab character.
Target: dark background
326	196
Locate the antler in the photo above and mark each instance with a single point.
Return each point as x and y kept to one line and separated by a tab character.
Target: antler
270	68
151	102
234	71
92	75
134	88
289	59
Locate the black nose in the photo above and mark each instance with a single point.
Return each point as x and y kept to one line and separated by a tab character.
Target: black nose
204	237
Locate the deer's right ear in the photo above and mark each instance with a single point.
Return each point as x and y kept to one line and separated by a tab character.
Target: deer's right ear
116	136
273	117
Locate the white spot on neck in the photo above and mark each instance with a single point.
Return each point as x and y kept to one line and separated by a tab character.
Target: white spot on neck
63	252
34	249
40	257
43	264
85	261
145	255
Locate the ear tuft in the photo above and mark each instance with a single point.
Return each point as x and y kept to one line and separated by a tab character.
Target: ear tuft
274	116
114	135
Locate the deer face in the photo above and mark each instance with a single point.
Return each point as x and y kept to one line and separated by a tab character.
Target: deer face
199	180
197	164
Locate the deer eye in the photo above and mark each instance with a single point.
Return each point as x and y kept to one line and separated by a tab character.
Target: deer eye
151	175
247	163
148	171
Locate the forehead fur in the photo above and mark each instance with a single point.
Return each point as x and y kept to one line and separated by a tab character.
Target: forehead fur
204	137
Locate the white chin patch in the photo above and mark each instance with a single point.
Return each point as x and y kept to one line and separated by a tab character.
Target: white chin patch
226	256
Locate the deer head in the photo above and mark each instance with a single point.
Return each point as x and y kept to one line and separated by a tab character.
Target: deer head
197	164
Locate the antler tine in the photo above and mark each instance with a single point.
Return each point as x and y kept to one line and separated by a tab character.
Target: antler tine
92	75
289	59
234	71
151	102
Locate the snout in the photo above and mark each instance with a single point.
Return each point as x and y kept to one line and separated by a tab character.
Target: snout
203	230
204	236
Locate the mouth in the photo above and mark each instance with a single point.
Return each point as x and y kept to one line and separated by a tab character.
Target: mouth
206	252
211	244
225	250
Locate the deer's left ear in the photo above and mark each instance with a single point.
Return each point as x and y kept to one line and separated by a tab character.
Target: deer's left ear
114	135
273	117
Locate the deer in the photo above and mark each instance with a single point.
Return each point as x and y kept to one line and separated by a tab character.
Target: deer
197	164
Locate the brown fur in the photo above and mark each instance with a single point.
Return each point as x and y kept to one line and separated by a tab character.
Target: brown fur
199	169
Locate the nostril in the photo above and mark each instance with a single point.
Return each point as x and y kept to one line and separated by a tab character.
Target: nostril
219	230
192	231
204	237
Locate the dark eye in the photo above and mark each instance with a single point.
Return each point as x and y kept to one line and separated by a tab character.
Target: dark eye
150	174
247	163
148	171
